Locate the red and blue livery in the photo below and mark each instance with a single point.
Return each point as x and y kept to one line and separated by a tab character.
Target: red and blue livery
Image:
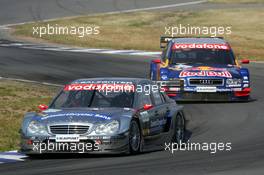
207	68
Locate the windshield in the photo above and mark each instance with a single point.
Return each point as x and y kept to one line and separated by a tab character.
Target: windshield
93	98
202	56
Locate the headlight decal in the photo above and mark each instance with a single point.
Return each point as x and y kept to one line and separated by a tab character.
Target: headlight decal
36	128
109	128
233	82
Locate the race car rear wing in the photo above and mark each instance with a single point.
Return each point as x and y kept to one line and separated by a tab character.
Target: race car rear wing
164	40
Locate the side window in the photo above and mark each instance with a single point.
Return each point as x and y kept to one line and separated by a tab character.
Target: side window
163	97
163	55
60	100
144	99
168	50
157	98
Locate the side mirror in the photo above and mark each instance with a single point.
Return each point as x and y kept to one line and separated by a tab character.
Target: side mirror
147	106
43	107
156	61
245	61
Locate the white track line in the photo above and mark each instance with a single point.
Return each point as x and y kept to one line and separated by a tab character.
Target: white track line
31	81
6	26
160	7
127	52
81	50
11	156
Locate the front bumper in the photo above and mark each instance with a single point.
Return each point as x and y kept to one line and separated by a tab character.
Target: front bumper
87	144
220	95
179	91
212	96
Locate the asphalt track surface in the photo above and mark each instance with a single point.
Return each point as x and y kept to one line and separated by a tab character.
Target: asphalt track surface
17	11
238	123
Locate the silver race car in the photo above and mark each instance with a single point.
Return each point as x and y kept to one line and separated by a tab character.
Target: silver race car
104	115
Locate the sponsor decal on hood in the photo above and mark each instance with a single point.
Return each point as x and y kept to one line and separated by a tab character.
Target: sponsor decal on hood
77	114
179	67
206	68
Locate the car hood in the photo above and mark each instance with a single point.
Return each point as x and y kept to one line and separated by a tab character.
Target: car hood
94	115
197	70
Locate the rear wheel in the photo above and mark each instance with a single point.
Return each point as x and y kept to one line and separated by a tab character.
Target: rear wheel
134	137
179	129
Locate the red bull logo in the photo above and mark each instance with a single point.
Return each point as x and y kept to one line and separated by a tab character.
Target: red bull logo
205	74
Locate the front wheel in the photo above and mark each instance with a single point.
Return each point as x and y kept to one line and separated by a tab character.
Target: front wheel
134	137
179	129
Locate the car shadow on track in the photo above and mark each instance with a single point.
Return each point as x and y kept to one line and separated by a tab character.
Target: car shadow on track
187	136
82	155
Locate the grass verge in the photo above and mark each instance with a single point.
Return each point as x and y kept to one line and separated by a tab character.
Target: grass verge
16	99
142	30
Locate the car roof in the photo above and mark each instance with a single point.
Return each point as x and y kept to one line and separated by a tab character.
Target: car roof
209	40
112	79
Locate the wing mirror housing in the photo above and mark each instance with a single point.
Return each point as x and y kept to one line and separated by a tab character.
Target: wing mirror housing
147	107
43	107
245	61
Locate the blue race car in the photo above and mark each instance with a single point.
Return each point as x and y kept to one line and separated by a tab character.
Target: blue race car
207	68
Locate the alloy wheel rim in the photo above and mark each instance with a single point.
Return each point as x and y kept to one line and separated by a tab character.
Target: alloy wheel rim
134	137
179	130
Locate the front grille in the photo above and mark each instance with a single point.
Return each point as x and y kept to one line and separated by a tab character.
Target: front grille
206	82
69	129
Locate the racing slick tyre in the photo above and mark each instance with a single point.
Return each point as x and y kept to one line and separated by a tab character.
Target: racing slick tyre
34	156
134	138
178	129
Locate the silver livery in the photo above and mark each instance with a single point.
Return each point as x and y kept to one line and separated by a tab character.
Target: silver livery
89	117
